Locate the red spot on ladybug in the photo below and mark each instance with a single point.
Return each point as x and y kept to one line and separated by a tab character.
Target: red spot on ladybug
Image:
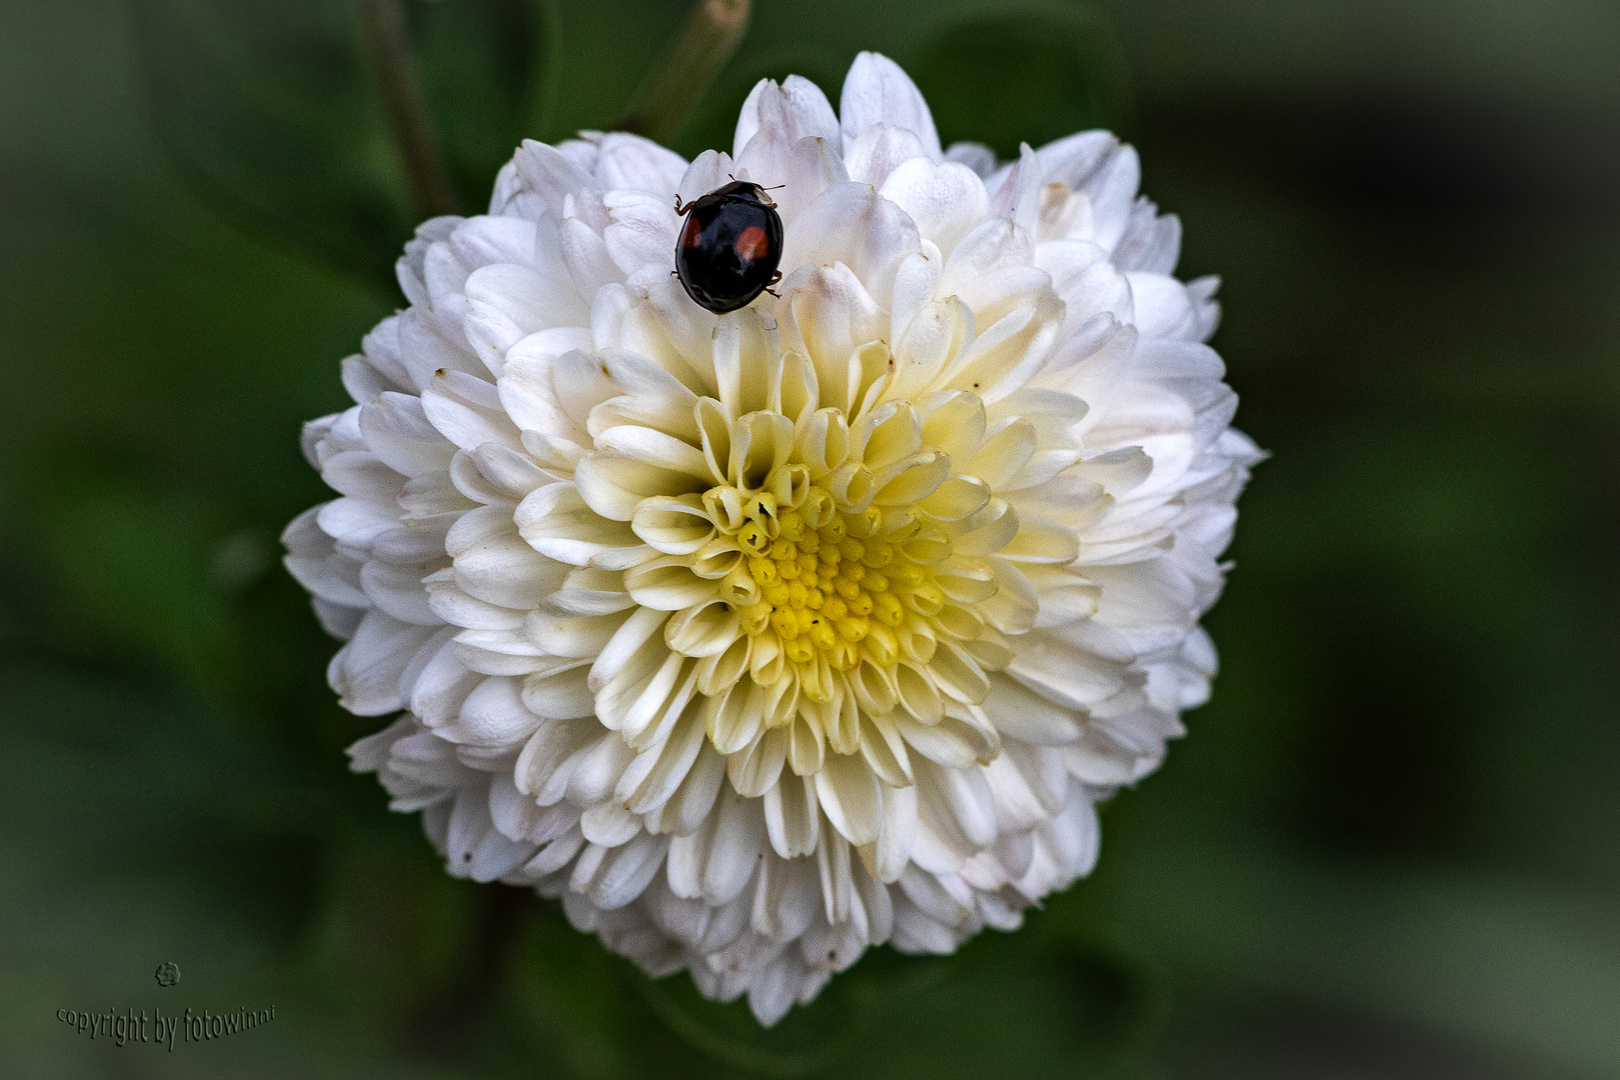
753	243
692	235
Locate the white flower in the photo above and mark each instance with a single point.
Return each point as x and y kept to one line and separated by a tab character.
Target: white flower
760	638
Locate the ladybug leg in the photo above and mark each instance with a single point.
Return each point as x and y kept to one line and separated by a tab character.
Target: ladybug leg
774	279
679	209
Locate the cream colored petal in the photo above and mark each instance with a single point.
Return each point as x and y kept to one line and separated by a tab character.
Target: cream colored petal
555	521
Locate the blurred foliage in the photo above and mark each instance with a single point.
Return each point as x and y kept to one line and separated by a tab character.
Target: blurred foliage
1386	850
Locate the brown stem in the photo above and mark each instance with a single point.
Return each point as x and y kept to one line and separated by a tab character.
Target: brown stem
710	36
402	96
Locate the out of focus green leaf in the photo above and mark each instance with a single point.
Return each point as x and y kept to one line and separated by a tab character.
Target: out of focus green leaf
270	107
1005	79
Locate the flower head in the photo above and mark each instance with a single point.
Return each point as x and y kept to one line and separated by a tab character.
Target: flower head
763	637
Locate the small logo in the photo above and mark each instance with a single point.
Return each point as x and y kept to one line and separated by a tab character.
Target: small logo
167	974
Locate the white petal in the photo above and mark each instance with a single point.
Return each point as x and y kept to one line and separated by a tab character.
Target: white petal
877	91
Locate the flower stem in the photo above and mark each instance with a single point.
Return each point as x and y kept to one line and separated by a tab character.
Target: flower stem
401	89
711	34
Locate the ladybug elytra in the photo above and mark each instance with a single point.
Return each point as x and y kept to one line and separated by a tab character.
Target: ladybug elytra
729	247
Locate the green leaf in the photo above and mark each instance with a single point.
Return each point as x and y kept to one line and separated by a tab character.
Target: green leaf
271	108
1006	79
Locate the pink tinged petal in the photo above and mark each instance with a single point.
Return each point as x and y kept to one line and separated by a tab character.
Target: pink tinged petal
797	170
549	175
631	161
997	244
976	156
852	224
709	170
797	109
946	201
1112	190
555	521
877	91
586	257
879	151
643	232
398	431
1162	306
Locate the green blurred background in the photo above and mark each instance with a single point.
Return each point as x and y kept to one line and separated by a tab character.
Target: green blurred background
1388	849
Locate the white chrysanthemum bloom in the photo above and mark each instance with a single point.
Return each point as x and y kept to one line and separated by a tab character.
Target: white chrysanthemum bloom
763	637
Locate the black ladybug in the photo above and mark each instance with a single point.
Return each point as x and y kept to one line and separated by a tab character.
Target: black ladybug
729	247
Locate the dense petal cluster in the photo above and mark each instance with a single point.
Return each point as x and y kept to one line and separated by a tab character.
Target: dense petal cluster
763	637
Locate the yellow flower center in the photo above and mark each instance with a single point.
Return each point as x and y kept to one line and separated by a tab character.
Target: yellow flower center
836	588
